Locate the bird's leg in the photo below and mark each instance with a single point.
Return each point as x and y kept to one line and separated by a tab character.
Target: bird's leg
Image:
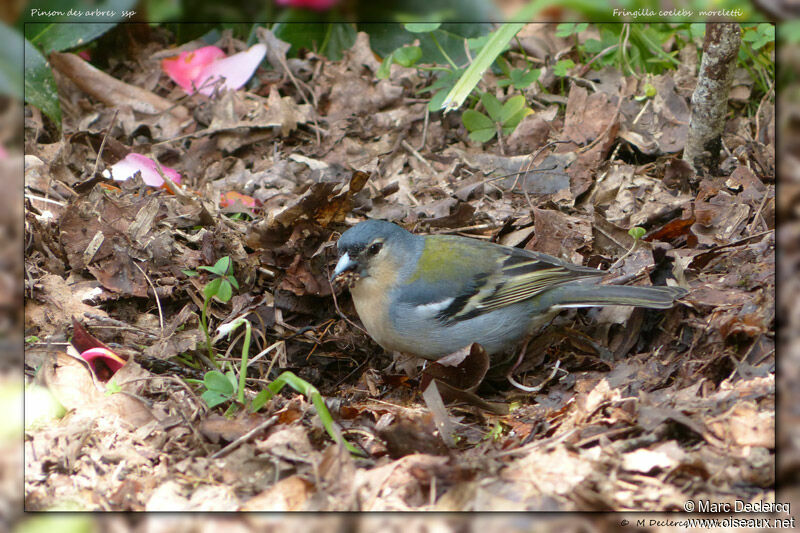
537	388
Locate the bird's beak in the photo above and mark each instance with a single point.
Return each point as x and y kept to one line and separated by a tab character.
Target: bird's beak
343	265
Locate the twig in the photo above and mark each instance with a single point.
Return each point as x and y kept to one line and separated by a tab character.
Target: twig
760	104
425	129
238	442
103	143
155	293
757	217
417	155
600	54
606	129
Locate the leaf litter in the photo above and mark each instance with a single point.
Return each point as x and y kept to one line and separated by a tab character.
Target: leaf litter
645	411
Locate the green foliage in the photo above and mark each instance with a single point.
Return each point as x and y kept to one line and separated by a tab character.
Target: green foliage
60	37
11	51
519	78
759	36
637	232
756	54
422	27
442	87
302	29
567	29
40	86
307	389
219	387
649	92
63	522
502	117
560	69
407	56
221	288
112	387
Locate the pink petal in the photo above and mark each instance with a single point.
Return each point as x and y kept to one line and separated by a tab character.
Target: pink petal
229	199
124	169
111	360
185	68
236	70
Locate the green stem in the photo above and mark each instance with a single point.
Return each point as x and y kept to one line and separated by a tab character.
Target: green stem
311	392
447	57
204	323
245	356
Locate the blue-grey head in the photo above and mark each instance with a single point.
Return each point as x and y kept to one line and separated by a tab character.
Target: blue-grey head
369	243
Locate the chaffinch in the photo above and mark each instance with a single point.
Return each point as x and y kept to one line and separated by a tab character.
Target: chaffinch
432	295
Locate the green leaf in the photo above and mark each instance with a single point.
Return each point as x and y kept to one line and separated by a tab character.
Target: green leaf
11	52
407	56
212	288
493	48
475	43
307	389
492	106
233	282
231	379
260	400
222	266
472	75
512	106
522	79
215	380
214	398
512	122
112	387
436	101
560	69
483	136
225	290
697	30
40	86
60	36
422	27
637	232
385	68
481	128
593	46
565	29
303	29
475	121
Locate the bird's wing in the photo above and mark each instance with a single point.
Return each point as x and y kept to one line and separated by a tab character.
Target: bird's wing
483	278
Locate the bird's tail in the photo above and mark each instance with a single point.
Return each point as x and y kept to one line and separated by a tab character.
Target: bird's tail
598	295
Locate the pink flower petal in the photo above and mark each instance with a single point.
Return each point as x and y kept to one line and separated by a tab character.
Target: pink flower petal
109	358
229	199
187	66
236	70
124	169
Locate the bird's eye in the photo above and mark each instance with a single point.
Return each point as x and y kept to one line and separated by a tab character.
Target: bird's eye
374	248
